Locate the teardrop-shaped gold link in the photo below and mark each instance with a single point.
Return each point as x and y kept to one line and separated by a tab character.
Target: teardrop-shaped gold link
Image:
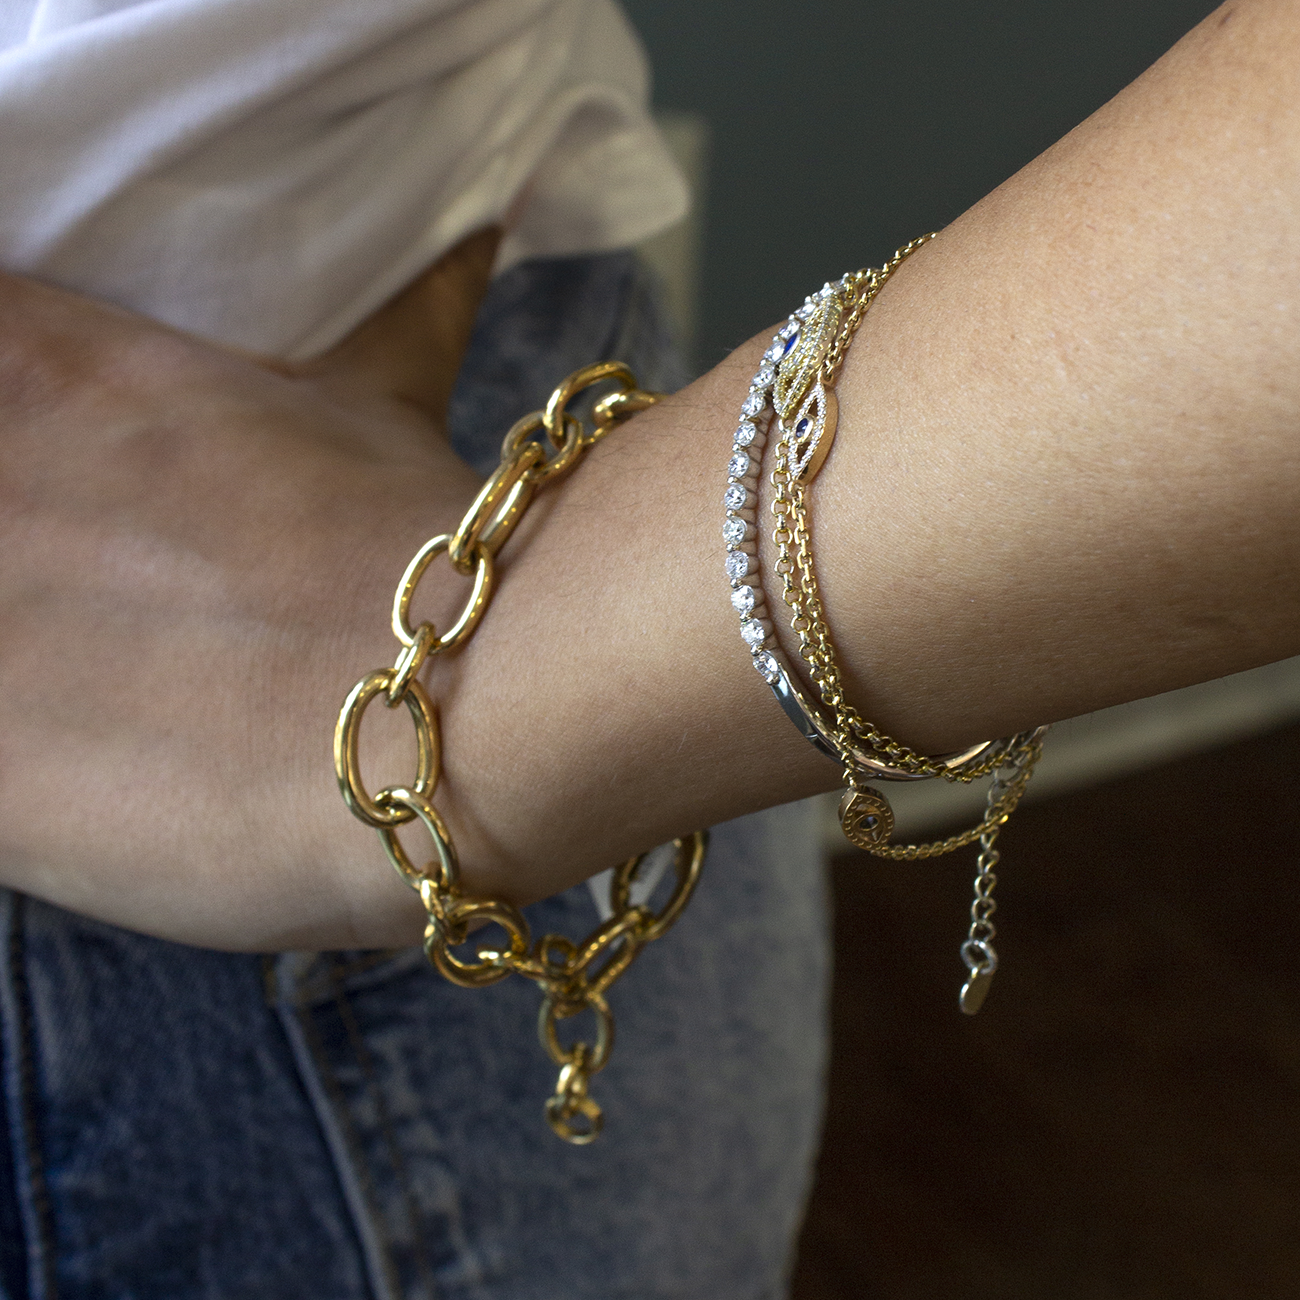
347	756
688	861
443	868
475	607
499	506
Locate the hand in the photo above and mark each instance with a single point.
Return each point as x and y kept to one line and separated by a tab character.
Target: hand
197	553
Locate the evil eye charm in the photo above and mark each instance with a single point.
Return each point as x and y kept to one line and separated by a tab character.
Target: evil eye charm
797	370
866	818
812	432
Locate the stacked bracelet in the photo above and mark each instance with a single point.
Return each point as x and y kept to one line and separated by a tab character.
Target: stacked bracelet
792	399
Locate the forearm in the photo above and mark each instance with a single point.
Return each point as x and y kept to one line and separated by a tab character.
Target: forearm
1065	475
1083	467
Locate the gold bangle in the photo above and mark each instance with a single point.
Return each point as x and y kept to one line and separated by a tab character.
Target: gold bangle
574	977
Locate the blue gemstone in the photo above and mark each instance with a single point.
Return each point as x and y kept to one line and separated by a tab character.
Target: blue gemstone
789	343
802	427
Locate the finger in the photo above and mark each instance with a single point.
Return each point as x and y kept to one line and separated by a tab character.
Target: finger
411	348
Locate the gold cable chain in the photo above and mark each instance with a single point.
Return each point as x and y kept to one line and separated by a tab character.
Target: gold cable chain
802	595
867	284
799	587
1001	804
574	977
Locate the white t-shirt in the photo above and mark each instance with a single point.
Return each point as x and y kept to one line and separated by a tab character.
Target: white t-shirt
268	172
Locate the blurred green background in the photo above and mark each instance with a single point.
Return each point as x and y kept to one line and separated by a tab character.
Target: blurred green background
838	131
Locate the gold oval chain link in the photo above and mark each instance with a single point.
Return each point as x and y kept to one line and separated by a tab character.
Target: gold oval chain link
574	977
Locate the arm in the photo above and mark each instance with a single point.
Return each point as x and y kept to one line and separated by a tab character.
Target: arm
1065	475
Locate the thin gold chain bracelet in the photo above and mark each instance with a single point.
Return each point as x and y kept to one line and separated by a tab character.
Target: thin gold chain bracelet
541	448
793	394
810	379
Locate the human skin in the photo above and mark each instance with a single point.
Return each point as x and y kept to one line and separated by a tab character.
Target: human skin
1064	476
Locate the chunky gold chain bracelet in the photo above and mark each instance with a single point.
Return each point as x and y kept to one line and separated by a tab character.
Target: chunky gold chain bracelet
574	977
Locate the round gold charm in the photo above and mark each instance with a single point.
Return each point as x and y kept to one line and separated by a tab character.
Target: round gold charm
866	818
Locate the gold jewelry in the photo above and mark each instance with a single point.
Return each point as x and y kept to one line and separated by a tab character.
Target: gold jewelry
794	392
573	977
794	388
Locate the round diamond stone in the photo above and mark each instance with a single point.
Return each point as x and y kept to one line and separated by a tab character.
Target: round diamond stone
737	565
754	403
738	465
745	434
734	530
754	632
742	600
767	666
765	375
735	497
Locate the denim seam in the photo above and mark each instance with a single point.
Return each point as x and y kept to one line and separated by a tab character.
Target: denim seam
315	982
342	969
20	1088
367	1066
340	1139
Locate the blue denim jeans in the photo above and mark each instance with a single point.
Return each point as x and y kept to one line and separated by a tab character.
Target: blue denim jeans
182	1123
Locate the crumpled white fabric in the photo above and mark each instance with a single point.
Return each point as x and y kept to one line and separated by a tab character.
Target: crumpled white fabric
267	172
